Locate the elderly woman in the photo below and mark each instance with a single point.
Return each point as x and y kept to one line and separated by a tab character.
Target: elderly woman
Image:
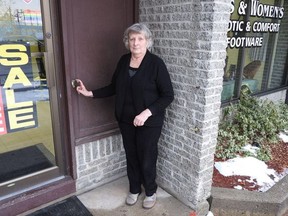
143	90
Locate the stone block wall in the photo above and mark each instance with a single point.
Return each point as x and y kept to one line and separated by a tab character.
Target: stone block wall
275	97
99	162
190	36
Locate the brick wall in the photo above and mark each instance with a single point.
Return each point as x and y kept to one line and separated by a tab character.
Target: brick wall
99	162
190	36
275	97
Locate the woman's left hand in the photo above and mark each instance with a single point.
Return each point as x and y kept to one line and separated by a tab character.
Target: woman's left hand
140	119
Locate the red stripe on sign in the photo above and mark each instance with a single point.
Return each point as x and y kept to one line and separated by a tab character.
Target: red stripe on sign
27	1
3	129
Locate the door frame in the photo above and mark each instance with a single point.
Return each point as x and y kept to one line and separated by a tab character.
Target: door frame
57	182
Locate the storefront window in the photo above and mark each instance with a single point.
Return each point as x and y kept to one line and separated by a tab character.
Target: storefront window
257	46
27	144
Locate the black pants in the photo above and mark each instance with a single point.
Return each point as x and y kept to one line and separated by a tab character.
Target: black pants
141	147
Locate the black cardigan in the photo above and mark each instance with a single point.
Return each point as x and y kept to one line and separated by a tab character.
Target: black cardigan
152	87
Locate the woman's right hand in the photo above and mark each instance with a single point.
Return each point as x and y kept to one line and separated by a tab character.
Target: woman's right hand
81	89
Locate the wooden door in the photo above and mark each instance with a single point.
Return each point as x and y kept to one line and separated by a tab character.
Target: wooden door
92	34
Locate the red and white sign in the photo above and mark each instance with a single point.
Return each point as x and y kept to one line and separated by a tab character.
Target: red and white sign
27	1
3	129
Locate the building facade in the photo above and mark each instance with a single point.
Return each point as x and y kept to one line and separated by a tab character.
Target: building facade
54	143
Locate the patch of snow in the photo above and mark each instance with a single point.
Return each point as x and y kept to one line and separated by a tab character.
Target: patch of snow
238	187
210	214
251	167
252	149
284	136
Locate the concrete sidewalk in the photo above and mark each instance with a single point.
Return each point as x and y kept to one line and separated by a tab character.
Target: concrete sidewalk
109	200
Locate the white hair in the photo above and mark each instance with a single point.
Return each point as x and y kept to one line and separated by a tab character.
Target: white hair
141	29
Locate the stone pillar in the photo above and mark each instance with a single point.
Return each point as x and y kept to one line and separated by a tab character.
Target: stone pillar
190	36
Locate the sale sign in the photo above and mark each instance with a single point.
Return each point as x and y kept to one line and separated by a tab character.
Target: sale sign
17	112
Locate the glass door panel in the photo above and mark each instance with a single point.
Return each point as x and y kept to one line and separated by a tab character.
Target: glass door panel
26	125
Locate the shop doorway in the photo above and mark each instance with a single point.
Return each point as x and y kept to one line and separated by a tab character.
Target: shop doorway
30	151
